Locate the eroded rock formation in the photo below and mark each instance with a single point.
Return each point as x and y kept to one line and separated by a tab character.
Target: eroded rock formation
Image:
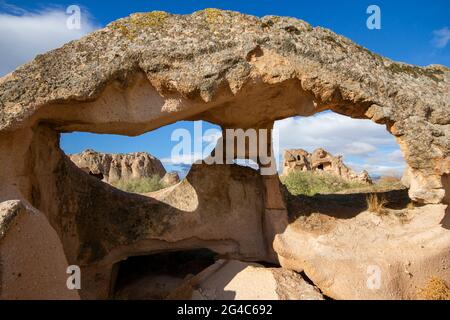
351	254
111	167
152	69
145	81
33	263
320	161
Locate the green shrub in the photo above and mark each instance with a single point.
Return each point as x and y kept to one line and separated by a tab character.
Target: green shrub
142	185
310	183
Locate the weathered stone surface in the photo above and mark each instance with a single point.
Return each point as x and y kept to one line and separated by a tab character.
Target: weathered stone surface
170	178
360	255
321	161
32	261
151	69
111	167
237	280
100	225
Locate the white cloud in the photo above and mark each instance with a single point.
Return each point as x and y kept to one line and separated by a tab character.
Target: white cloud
379	170
395	156
25	34
363	143
359	148
441	37
185	158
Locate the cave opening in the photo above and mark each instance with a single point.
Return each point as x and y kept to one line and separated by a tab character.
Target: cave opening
155	276
338	145
331	160
96	175
145	163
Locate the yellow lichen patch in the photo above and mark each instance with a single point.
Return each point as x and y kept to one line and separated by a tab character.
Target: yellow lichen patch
131	26
275	19
436	289
149	19
213	15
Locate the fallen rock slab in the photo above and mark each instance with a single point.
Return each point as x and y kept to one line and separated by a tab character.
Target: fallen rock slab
237	280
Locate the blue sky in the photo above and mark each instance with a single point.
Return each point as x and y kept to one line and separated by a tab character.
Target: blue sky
406	33
415	32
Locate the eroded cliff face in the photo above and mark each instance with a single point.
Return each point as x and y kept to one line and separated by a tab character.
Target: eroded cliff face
238	71
321	161
111	167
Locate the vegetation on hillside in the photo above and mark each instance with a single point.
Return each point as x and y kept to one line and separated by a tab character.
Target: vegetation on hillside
142	185
310	183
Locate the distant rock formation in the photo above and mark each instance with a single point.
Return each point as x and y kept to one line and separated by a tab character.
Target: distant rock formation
320	161
111	167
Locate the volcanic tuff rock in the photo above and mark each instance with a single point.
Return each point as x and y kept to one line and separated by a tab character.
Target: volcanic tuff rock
320	161
368	256
111	167
236	70
33	264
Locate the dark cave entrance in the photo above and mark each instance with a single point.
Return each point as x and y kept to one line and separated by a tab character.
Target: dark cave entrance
154	276
96	175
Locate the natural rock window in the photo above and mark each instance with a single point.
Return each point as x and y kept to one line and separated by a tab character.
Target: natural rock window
266	69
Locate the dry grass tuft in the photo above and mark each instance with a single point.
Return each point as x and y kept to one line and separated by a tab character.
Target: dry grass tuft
142	185
376	204
310	183
436	289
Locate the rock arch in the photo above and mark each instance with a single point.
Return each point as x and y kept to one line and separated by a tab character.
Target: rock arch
238	71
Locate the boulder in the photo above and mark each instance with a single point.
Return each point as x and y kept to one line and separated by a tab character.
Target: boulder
237	280
33	263
368	256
